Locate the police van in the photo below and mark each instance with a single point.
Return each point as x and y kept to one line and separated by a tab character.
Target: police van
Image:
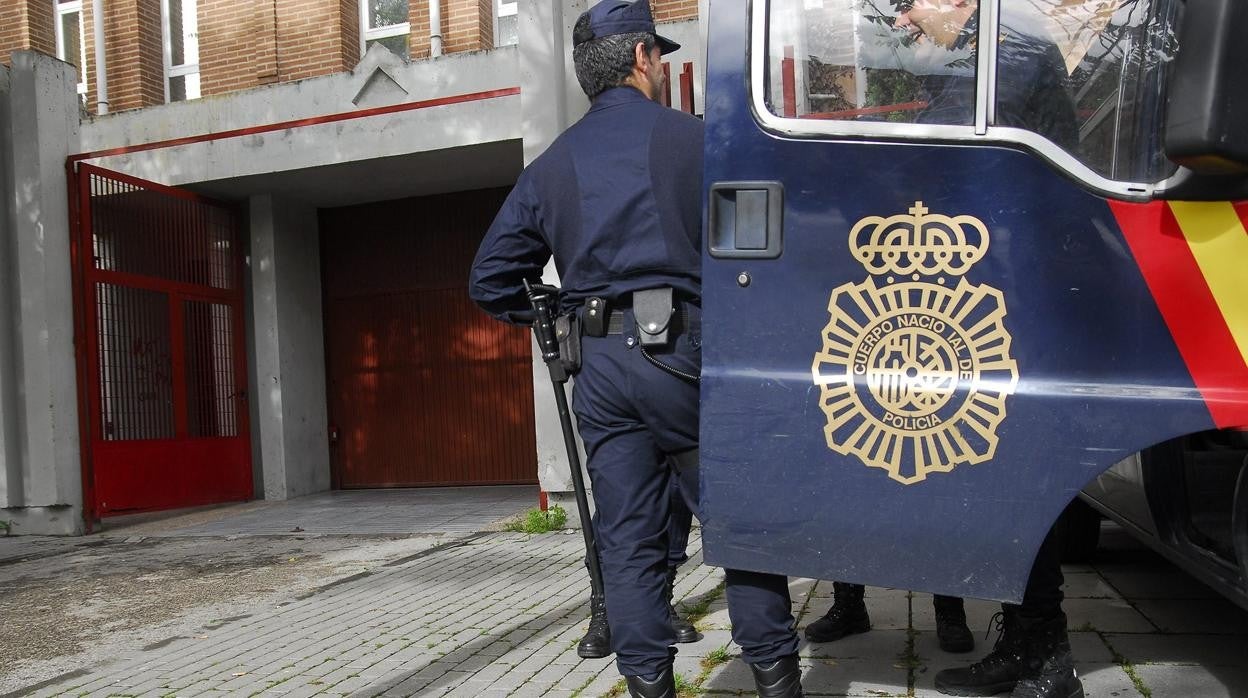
965	260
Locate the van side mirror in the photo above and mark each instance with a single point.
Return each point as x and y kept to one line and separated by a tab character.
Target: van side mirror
1207	104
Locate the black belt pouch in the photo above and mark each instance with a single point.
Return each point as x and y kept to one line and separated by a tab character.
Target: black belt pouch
653	311
568	333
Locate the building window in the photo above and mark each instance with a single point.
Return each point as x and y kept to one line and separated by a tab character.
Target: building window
69	45
385	22
506	29
181	35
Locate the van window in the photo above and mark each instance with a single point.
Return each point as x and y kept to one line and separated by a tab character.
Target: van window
1087	75
1114	54
868	60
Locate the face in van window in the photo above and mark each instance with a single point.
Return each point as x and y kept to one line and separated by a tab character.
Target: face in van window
938	21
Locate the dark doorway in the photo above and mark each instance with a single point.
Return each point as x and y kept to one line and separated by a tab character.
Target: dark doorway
424	388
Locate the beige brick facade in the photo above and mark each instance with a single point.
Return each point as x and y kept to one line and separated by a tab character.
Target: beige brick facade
26	24
248	43
674	10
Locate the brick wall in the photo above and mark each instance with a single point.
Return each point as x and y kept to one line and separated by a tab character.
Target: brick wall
242	43
310	39
247	43
134	55
132	52
418	19
349	20
674	10
467	25
230	54
26	24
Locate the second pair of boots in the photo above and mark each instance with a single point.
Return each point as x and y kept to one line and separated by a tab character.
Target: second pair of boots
848	616
597	641
1031	659
779	679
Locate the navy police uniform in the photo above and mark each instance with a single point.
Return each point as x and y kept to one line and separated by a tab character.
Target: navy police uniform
617	200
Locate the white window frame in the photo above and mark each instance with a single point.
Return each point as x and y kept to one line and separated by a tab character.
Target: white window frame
389	30
62	9
185	69
503	8
980	132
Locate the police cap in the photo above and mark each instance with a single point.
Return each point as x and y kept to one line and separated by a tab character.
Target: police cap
611	17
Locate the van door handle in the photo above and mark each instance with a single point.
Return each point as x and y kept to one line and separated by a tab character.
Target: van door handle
746	220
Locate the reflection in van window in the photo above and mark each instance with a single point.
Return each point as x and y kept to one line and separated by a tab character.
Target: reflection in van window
1114	53
1088	75
872	60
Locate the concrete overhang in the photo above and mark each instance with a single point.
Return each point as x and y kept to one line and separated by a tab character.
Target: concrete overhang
387	129
494	164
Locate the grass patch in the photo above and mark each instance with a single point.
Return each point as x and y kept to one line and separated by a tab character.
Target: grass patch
538	521
1127	668
686	688
576	693
716	657
694	612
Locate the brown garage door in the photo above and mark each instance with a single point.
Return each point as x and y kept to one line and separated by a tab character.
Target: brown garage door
424	388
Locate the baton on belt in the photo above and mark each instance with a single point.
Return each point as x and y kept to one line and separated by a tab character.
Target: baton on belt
542	299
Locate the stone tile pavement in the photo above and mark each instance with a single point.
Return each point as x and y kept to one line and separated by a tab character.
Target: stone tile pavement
346	512
498	614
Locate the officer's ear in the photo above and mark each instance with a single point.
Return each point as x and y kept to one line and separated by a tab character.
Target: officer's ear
641	58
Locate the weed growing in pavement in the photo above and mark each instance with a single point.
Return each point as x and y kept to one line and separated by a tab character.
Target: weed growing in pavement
712	659
1127	667
686	688
694	611
715	657
538	521
6	526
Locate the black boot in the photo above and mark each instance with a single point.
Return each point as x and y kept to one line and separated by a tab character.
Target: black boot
1050	667
848	615
597	641
995	673
685	632
951	628
661	686
779	679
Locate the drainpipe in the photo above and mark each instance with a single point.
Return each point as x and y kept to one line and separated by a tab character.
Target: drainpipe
101	73
435	28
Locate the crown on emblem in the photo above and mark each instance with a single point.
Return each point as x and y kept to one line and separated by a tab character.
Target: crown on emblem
917	242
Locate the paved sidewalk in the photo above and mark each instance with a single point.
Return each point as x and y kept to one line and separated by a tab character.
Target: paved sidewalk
499	614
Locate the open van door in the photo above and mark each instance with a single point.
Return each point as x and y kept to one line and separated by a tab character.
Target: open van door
940	292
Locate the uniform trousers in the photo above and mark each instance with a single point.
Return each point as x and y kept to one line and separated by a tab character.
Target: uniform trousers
631	417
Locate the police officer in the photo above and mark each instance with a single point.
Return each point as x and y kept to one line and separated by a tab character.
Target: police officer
616	199
597	640
1032	657
848	616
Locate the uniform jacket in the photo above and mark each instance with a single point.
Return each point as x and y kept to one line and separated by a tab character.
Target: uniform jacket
616	199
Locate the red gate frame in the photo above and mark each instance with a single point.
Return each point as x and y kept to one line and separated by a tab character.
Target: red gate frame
84	275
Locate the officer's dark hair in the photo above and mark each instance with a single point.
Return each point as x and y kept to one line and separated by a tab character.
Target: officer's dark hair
607	61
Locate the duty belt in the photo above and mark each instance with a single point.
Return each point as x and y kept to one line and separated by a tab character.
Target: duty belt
615	318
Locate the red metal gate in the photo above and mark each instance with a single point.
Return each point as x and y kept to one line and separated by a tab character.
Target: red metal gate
162	362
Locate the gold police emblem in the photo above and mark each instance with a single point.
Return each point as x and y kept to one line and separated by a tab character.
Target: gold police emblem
915	365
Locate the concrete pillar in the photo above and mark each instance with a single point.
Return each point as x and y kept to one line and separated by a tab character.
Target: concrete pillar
289	422
550	98
550	101
41	477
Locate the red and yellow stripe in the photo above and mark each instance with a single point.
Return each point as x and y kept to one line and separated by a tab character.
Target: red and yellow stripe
1194	257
